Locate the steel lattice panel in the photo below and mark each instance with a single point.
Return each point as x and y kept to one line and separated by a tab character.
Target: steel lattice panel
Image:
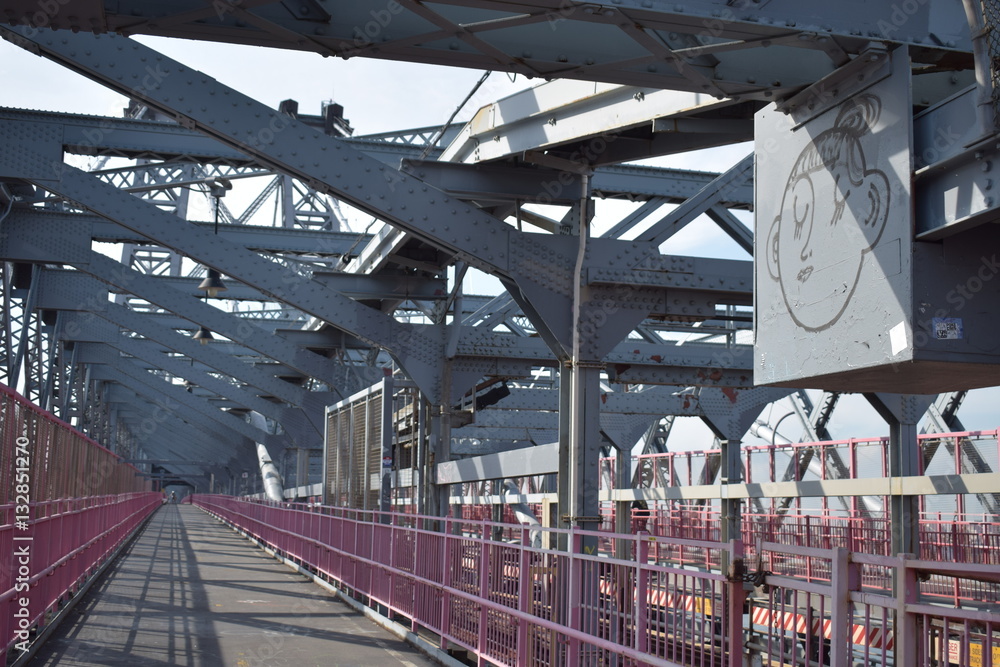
352	452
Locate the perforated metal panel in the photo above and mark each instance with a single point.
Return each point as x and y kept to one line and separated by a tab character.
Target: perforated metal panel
373	447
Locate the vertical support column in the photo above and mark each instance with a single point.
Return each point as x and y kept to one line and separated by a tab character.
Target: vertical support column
904	455
421	471
385	478
623	508
731	472
497	509
114	443
439	496
901	413
287	202
579	449
365	447
70	382
301	466
441	440
52	373
579	506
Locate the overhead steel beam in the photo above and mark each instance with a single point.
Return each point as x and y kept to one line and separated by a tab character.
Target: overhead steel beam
155	415
77	327
57	245
517	463
147	139
414	350
362	288
325	163
713	46
504	182
692	364
321	162
596	123
296	422
121	369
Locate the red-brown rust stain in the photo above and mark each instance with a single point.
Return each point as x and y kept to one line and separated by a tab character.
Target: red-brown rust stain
714	376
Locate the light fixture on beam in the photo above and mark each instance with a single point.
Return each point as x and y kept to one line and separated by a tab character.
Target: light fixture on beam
212	284
203	335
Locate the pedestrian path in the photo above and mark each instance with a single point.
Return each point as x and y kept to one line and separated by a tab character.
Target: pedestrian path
191	592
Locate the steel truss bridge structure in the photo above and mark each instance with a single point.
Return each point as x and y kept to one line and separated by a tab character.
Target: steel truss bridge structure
200	302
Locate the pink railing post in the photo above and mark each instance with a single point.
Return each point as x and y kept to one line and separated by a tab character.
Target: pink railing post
445	582
572	584
642	593
737	595
484	592
412	602
844	578
906	591
524	593
391	571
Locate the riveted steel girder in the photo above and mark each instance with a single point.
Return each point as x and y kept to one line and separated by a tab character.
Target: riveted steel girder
719	47
164	141
65	241
120	369
413	350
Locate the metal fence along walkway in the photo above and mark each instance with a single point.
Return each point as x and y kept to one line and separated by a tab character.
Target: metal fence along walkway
66	506
191	592
635	599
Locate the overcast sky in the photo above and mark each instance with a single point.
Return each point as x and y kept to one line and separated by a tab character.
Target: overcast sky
382	96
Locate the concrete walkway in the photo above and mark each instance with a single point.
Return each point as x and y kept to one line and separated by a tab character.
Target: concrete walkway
191	592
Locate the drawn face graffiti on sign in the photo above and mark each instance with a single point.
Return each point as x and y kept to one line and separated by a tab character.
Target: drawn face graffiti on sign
833	211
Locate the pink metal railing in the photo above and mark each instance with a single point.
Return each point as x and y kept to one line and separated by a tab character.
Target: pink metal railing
862	457
510	604
66	505
951	536
843	620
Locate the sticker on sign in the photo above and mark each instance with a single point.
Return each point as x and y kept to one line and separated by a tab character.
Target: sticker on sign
947	328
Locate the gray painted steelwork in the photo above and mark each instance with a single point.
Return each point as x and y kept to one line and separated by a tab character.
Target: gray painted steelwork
573	301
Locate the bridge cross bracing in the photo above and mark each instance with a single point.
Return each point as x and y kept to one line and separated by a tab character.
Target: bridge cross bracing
320	312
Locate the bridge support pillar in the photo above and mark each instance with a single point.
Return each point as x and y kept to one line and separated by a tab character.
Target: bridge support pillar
902	412
580	449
